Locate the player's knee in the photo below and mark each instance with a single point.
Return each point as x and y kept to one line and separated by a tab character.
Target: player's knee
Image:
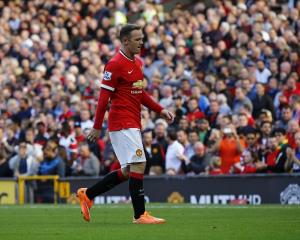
138	167
125	172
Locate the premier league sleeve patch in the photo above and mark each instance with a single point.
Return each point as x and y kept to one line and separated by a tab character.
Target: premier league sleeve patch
107	76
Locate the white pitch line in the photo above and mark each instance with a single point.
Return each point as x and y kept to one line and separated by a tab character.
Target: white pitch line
157	206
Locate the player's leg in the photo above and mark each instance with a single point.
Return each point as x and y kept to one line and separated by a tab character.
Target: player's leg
136	189
109	181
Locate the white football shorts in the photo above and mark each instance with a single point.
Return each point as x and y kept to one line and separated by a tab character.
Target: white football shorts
128	146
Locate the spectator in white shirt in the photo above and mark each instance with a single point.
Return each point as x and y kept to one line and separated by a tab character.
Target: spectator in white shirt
262	73
174	151
86	122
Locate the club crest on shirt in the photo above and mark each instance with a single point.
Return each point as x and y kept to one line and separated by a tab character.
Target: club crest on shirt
139	152
138	84
107	76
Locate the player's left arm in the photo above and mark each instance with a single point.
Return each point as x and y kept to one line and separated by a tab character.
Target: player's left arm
148	102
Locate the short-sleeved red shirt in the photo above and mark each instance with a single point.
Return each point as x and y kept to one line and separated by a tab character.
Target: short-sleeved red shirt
124	77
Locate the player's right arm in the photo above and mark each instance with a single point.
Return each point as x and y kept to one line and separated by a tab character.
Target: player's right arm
108	85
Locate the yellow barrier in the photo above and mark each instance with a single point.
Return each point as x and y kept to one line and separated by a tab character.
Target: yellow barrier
7	192
21	185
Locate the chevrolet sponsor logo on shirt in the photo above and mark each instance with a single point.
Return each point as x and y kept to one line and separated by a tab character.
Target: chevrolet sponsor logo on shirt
137	86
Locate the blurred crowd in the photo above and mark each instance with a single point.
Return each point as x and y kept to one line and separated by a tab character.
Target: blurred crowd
229	72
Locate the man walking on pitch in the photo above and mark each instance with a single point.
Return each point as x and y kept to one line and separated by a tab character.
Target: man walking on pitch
123	85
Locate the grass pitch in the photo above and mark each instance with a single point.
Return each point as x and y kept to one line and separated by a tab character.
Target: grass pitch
49	222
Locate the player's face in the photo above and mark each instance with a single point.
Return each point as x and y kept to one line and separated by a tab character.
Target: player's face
135	42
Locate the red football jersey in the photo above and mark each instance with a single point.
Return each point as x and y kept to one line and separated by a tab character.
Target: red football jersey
124	77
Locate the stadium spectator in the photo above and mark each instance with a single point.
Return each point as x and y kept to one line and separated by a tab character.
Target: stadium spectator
241	100
87	163
174	155
198	162
275	157
230	147
262	101
247	163
155	156
23	164
52	163
182	137
68	141
286	115
5	170
160	132
51	68
293	156
215	166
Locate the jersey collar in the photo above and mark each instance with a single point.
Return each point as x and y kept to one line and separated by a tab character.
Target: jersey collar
124	55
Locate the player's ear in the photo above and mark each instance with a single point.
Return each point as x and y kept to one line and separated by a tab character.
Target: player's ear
125	41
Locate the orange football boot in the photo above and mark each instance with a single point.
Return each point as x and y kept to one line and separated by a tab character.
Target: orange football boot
85	203
146	218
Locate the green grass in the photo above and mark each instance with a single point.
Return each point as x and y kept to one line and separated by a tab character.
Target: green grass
48	222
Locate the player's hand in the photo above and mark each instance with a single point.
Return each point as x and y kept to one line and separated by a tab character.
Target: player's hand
93	135
167	115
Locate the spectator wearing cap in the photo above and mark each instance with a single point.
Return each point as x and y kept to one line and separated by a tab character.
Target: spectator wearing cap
262	101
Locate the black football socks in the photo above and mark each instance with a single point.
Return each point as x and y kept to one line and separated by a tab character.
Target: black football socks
136	190
109	181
